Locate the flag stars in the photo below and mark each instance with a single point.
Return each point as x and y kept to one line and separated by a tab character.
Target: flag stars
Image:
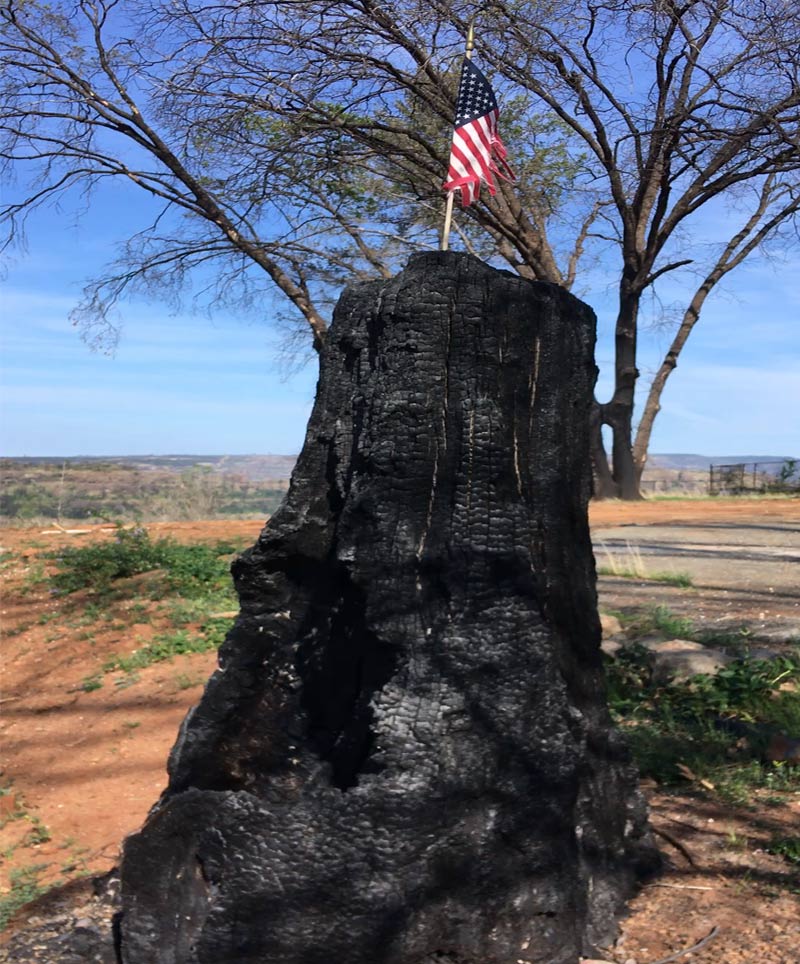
477	154
475	97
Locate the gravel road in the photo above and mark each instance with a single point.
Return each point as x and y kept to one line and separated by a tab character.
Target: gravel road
744	574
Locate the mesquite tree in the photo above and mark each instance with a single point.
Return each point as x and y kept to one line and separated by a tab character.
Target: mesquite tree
305	143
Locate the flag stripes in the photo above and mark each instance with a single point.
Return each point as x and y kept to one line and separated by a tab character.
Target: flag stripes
477	152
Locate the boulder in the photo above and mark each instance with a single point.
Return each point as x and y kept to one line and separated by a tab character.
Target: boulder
680	659
610	626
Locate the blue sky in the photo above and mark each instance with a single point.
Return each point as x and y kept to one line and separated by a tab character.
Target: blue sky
188	383
177	383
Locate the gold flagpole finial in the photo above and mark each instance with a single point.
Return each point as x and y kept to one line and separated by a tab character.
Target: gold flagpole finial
471	37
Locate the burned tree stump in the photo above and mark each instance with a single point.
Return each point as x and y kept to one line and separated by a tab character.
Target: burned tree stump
405	756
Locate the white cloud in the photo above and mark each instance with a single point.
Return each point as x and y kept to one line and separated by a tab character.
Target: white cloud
727	409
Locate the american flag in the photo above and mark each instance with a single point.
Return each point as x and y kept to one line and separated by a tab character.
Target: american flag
477	150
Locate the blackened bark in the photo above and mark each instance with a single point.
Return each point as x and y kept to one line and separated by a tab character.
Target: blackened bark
405	757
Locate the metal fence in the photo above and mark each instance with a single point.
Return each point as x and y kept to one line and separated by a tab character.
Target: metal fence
741	478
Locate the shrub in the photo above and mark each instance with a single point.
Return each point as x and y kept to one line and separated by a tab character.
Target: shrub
190	570
718	727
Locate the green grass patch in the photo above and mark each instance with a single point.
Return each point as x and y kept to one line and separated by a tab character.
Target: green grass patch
139	613
38	834
92	683
161	648
165	646
35	578
190	571
671	626
17	630
18	811
681	579
25	887
182	612
710	728
8	559
786	847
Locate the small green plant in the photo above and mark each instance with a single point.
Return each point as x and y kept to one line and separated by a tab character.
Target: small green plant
34	577
92	683
671	625
166	645
786	847
139	613
215	630
90	614
683	580
25	887
7	560
38	834
733	841
17	630
181	612
17	811
779	776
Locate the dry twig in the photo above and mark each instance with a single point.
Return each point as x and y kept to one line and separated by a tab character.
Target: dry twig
681	886
676	844
689	950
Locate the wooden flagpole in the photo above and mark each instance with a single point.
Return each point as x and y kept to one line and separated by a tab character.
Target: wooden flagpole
448	211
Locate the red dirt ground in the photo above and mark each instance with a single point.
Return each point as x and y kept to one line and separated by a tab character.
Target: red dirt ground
87	766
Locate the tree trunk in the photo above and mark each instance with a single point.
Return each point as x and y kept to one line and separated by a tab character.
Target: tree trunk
405	757
625	473
604	485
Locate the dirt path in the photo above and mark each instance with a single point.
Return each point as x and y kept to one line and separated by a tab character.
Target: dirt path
82	765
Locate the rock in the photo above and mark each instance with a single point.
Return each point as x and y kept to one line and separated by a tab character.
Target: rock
82	942
783	749
610	626
762	652
611	646
680	659
405	757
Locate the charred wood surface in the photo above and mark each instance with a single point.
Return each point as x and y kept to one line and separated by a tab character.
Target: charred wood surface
405	756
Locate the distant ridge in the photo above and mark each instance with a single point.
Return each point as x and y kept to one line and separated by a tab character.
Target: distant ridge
699	462
260	467
254	467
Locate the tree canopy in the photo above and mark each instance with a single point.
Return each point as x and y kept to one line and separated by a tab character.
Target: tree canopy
299	145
